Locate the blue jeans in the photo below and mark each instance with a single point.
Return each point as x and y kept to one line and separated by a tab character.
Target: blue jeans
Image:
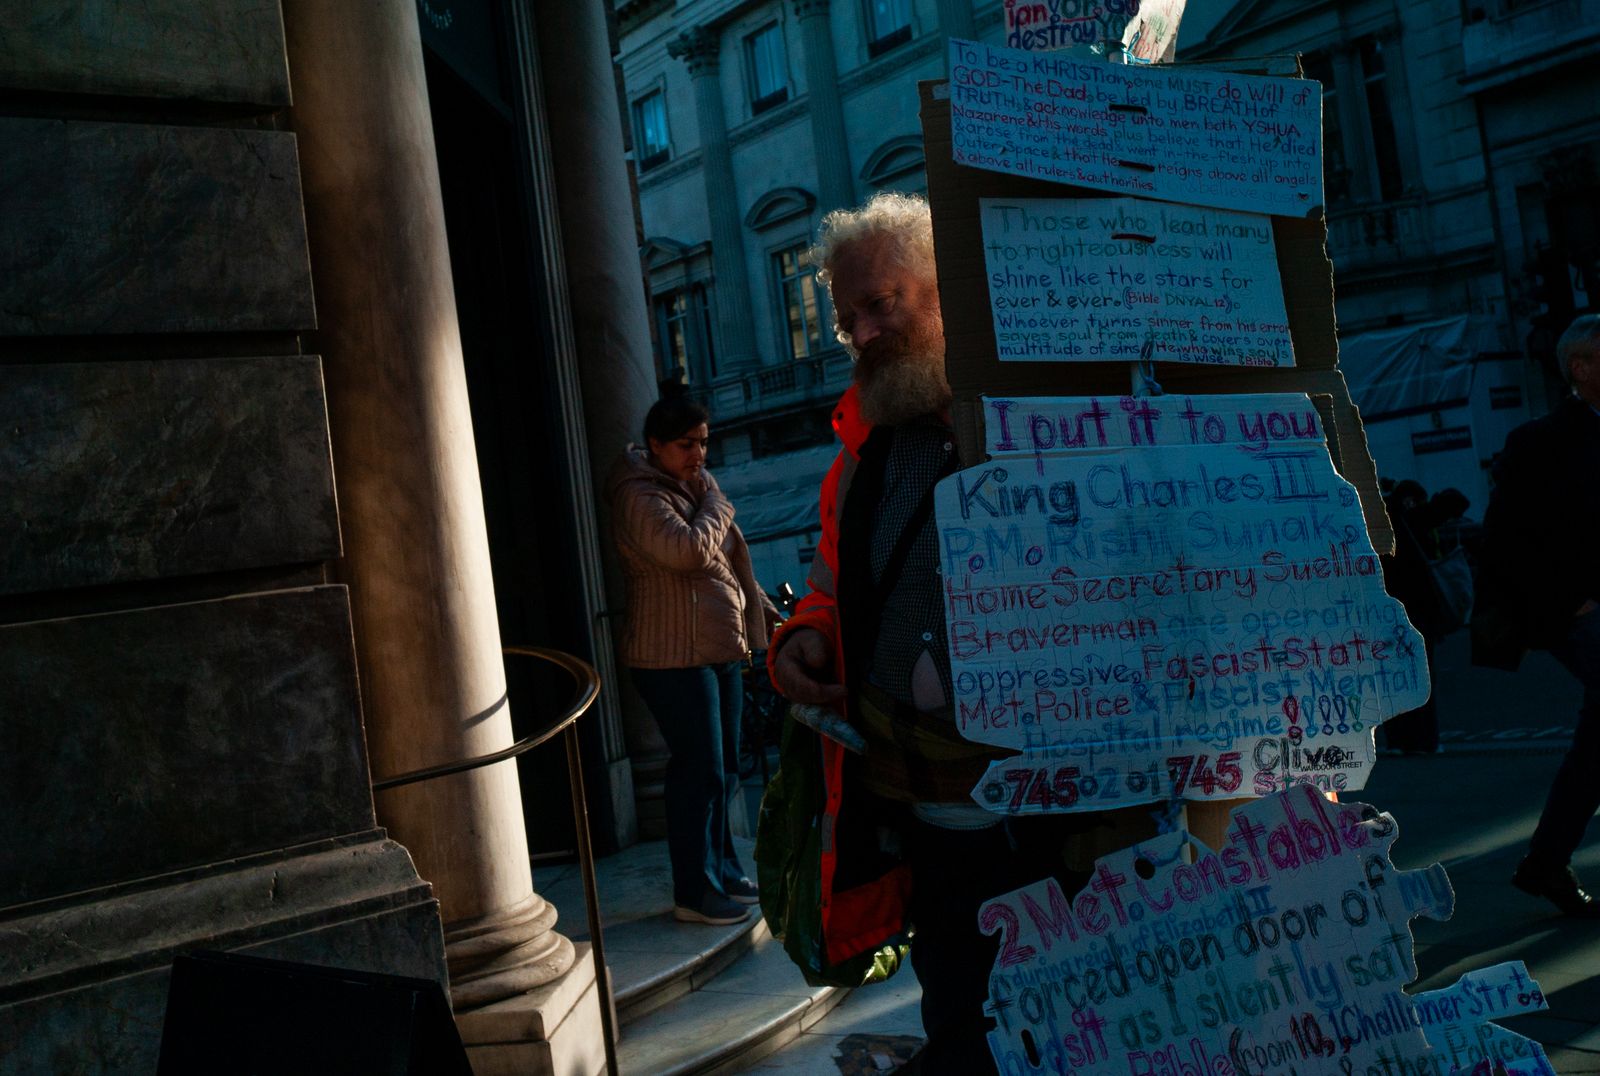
698	710
1575	794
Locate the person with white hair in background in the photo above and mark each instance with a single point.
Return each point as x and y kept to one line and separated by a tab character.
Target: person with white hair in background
1540	587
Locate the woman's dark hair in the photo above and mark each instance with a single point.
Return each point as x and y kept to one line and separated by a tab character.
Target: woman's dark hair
672	416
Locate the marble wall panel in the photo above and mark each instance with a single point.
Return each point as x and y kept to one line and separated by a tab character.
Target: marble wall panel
120	471
136	743
144	228
114	1025
206	50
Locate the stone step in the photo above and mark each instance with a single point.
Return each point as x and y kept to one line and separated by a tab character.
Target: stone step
690	998
655	961
754	1007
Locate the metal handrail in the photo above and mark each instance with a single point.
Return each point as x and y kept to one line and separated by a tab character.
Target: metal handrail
588	689
587	683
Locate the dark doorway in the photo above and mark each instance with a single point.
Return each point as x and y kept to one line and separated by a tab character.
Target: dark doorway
506	336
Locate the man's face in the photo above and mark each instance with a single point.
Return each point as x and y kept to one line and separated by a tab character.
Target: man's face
890	315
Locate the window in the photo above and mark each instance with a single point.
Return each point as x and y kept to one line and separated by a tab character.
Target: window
1385	147
683	334
651	146
797	301
888	25
1335	167
765	68
898	164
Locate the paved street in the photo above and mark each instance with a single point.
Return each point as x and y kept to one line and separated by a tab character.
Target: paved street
1472	809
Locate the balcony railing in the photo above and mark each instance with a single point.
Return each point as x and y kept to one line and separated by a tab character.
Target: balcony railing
1373	235
816	379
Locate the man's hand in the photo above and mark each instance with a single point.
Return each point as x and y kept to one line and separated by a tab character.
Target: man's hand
802	671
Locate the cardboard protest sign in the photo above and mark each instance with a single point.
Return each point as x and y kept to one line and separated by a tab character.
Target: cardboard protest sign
1459	1022
1045	25
1152	35
1206	138
1162	597
973	364
1145	30
1285	950
1086	279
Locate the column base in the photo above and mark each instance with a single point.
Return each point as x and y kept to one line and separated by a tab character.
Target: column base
554	1030
505	954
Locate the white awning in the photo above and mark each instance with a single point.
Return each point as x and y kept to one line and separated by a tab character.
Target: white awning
777	495
1416	367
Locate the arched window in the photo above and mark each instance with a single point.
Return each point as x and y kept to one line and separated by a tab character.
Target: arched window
896	165
779	205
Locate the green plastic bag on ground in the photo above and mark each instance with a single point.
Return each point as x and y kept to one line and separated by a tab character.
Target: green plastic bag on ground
789	868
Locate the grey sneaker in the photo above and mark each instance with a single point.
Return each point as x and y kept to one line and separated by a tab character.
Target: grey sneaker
744	891
714	909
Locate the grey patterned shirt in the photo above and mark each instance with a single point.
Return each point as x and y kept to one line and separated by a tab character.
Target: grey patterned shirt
913	613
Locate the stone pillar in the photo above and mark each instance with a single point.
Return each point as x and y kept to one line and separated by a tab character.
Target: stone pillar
835	187
1397	83
589	207
955	19
699	47
416	555
604	290
1351	100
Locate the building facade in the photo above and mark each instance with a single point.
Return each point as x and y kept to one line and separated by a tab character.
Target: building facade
749	121
1460	142
1459	150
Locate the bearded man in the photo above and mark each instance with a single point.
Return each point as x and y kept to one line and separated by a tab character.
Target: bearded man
903	840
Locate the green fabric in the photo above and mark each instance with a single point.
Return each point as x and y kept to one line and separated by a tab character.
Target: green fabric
789	867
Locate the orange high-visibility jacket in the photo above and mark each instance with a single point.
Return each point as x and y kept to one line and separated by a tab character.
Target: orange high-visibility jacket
870	914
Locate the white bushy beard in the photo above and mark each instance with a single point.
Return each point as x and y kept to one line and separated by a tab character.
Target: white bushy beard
902	378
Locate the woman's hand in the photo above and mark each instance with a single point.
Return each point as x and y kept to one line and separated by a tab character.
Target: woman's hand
803	669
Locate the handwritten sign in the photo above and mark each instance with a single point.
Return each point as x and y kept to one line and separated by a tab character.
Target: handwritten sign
1163	597
1217	139
1459	1022
1089	279
1042	25
1286	950
1145	31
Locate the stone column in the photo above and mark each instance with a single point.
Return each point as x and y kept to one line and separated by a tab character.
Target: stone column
1397	83
416	554
604	290
835	185
699	48
1352	103
955	19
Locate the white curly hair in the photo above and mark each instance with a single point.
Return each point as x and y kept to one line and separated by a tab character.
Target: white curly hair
902	219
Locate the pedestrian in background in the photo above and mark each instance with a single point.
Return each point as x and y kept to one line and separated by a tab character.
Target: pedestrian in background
1408	576
1540	587
694	615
